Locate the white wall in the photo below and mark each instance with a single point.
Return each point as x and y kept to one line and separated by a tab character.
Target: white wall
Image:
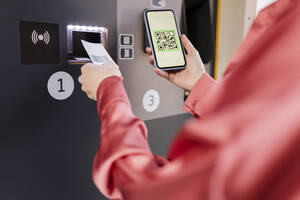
235	19
261	4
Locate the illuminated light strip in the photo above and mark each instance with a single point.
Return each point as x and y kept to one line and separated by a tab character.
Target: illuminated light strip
84	28
71	27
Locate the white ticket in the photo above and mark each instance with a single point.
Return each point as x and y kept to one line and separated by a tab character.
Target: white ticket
97	53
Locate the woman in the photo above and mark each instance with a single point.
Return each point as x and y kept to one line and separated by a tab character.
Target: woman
245	143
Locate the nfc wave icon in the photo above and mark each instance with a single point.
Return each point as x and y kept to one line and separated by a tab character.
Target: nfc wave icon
45	37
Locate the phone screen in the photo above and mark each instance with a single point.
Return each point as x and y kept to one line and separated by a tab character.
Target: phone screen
166	41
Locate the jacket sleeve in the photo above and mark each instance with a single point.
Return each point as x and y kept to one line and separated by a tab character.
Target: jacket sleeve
124	166
124	150
196	102
124	157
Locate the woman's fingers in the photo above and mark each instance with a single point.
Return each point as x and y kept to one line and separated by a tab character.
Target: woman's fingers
149	51
151	60
162	73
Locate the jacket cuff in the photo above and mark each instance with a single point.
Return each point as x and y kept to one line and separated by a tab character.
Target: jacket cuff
195	103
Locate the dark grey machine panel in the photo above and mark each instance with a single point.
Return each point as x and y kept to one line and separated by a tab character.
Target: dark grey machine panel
47	145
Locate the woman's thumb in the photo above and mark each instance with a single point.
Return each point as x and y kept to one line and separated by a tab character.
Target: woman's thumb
187	44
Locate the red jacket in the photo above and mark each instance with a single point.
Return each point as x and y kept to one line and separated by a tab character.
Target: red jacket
246	141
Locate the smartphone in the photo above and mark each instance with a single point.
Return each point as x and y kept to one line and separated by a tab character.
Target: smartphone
165	39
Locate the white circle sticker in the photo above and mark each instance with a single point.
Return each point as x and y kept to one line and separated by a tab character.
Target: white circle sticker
151	100
60	85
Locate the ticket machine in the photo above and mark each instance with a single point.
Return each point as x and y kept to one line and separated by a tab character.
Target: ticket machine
49	128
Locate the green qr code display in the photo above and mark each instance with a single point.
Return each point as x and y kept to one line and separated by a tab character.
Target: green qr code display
166	40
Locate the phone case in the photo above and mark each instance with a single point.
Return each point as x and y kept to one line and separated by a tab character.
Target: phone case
171	68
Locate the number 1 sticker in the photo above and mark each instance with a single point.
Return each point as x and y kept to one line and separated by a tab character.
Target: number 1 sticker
60	85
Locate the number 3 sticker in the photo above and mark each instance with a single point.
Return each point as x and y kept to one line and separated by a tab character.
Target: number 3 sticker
151	100
60	85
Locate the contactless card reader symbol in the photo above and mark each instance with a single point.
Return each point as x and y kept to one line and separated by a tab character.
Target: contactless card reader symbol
45	37
39	43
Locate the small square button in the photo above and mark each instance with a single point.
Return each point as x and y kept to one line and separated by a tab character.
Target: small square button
126	53
126	40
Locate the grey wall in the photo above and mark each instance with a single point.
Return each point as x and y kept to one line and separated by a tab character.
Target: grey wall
47	146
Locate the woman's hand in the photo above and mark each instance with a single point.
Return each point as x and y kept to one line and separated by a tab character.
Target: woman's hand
92	76
188	77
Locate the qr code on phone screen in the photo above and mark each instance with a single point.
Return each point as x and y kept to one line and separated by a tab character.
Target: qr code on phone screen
166	40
